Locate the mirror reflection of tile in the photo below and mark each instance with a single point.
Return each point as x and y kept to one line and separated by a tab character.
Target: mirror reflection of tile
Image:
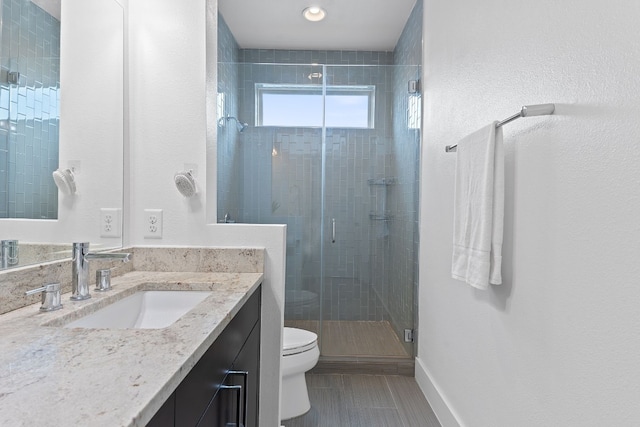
29	111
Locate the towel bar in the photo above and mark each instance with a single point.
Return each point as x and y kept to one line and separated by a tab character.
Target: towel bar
526	111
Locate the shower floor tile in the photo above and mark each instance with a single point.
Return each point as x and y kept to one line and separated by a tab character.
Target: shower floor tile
354	338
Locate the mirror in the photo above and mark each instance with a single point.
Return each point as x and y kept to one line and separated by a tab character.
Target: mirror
61	108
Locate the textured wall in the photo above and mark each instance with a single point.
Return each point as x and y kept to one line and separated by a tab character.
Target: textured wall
557	343
176	125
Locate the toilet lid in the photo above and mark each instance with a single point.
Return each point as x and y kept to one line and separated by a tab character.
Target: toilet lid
297	341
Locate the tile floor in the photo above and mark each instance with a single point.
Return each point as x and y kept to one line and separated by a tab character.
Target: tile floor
354	338
365	401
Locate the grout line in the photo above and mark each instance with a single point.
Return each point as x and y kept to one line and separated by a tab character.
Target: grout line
393	396
395	400
341	385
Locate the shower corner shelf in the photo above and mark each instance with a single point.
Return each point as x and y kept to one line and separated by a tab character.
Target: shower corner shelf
382	181
378	217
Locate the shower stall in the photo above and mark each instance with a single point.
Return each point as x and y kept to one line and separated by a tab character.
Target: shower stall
29	110
327	142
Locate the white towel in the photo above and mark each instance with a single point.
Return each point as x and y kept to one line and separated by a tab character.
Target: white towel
479	208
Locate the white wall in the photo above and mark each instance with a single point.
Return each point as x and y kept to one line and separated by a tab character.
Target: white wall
557	344
168	129
91	115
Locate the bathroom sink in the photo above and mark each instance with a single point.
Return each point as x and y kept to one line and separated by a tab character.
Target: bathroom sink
142	310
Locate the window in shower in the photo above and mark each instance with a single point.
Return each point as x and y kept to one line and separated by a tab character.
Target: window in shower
302	106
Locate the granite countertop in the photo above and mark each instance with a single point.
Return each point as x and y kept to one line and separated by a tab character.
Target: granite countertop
54	376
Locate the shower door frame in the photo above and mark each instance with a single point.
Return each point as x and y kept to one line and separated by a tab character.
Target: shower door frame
362	280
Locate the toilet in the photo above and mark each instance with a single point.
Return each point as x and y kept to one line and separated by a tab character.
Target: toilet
300	353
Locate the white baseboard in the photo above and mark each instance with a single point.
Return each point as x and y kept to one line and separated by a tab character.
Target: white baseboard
443	410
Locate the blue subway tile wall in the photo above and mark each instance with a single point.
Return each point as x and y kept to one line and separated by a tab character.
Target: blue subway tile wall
29	111
402	258
306	57
282	183
229	172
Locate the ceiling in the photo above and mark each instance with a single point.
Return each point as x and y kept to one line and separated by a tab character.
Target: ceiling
349	24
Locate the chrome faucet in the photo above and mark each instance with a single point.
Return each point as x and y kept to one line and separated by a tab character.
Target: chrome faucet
227	219
50	296
8	253
80	268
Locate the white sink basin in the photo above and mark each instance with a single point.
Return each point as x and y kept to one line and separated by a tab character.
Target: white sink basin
142	310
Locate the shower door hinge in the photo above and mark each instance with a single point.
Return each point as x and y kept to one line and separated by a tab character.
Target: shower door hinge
414	86
408	335
13	77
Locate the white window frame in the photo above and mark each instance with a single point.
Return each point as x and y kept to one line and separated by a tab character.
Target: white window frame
269	88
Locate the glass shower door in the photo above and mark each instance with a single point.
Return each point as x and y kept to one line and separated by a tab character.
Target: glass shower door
370	212
271	172
331	151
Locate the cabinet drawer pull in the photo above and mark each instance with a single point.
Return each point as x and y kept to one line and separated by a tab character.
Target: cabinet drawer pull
238	390
245	383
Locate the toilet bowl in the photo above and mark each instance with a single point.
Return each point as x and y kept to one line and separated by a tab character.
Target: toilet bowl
300	353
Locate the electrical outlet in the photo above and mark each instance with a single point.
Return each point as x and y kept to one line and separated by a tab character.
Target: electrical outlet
110	222
153	223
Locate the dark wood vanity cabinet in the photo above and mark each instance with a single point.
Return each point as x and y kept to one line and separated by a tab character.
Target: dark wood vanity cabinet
165	417
222	388
236	401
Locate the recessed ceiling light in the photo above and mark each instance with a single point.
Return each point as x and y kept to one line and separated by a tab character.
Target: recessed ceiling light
314	13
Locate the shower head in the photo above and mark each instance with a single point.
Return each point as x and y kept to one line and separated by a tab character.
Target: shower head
65	181
239	125
185	183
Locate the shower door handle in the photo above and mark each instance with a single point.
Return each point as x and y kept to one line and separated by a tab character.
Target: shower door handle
333	230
